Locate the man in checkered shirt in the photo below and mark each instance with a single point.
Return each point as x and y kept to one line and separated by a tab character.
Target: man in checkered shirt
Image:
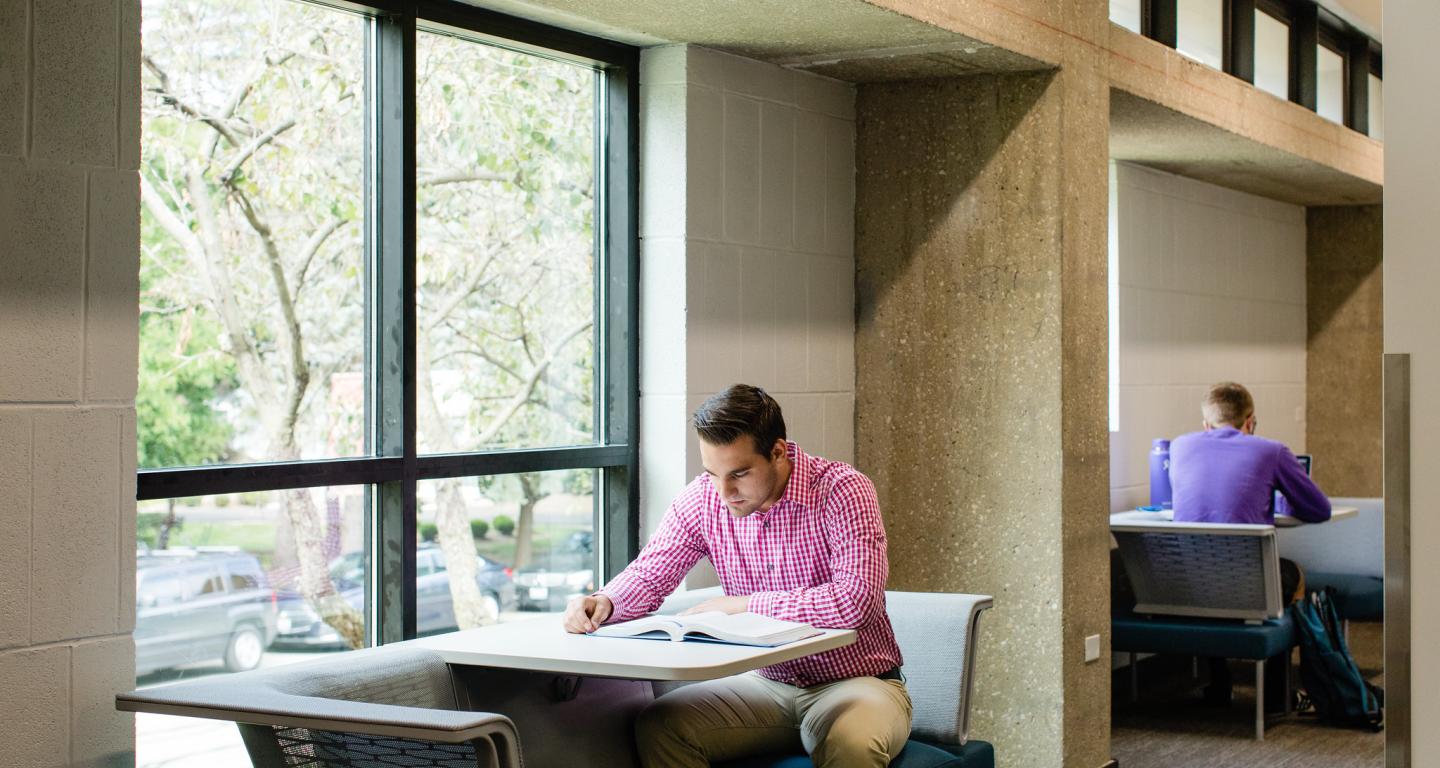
794	537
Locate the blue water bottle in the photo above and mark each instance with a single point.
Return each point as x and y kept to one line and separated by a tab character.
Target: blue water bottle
1160	495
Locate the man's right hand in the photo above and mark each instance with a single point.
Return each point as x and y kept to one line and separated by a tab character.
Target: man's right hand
586	614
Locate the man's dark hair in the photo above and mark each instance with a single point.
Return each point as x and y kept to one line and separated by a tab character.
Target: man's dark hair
737	412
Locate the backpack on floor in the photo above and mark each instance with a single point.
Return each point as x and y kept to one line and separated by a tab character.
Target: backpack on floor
1337	689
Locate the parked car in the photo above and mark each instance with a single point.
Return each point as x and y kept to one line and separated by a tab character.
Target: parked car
569	571
199	605
300	627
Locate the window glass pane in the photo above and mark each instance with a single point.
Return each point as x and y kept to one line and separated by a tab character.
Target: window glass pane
1126	13
1330	84
237	581
1377	108
507	199
1272	55
533	539
252	256
1200	33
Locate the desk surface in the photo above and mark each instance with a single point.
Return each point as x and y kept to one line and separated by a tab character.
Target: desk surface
1281	521
542	645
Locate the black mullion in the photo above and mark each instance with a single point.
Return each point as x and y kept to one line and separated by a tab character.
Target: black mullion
1160	21
394	333
1304	36
622	152
1357	84
274	476
436	466
1240	39
505	28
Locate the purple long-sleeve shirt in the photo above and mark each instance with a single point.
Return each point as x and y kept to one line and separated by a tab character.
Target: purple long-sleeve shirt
1226	476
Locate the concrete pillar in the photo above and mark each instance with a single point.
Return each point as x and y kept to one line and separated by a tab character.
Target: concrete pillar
1344	344
981	369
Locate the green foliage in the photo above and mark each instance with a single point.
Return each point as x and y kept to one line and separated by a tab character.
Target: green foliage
505	524
429	532
479	529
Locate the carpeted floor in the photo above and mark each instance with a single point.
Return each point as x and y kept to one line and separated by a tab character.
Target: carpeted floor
1169	728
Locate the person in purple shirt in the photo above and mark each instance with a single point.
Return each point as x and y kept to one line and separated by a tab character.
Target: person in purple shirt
1226	474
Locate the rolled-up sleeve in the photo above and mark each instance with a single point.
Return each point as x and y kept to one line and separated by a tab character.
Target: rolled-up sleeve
674	549
855	537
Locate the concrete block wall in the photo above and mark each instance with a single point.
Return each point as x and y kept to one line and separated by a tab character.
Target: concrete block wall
747	256
69	307
1212	287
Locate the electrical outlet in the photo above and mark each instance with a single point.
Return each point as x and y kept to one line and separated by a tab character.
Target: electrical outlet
1092	648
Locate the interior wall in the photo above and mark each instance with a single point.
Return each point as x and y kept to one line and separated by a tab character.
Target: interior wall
1212	288
69	326
964	242
1344	398
747	253
1412	315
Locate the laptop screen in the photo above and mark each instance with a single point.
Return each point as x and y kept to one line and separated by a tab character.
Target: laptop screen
1305	461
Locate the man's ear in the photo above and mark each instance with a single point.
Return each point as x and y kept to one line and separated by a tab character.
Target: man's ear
777	451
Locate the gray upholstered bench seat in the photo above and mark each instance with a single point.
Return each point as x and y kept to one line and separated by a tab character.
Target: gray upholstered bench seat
917	754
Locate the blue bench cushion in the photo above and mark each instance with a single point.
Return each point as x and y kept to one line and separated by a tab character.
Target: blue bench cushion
1357	597
917	754
1224	638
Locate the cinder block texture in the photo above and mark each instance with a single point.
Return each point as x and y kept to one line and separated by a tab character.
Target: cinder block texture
742	169
42	231
1346	339
14	529
35	698
129	149
127	521
14	77
77	52
112	312
663	133
777	175
76	546
100	669
958	370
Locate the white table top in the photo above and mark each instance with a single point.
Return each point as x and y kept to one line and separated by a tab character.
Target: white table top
543	645
1281	521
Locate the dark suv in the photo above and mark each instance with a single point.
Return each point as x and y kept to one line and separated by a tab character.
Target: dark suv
197	605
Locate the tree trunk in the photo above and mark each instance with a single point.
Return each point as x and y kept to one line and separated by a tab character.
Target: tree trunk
170	523
310	547
451	518
525	526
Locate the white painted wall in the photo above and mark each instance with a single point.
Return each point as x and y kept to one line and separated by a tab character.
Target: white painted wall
1212	287
69	322
747	253
1412	319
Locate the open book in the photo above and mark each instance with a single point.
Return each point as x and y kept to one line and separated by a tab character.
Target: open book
712	626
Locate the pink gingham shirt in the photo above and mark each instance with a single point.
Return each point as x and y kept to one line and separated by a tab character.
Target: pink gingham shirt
817	556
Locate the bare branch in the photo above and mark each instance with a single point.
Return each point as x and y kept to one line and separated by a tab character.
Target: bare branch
250	149
523	395
168	95
456	176
312	247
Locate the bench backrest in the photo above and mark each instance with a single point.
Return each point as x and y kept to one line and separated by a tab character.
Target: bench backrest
936	632
1354	545
1202	569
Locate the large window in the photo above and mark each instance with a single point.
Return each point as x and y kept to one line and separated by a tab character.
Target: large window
1329	84
1272	54
387	381
1201	31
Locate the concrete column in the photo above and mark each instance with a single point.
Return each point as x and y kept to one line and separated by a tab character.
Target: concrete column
69	324
1344	345
980	388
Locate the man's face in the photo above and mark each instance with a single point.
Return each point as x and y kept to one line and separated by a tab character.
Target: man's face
745	479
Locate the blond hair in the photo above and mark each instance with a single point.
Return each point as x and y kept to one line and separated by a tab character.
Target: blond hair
1227	403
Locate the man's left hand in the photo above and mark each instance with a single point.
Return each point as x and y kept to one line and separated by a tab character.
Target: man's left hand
729	604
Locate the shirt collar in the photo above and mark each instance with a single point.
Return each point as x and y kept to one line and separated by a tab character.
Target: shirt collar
800	488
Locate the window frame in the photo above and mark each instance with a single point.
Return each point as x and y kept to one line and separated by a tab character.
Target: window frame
392	467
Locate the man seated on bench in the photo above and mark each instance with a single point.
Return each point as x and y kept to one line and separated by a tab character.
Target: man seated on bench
794	537
1227	474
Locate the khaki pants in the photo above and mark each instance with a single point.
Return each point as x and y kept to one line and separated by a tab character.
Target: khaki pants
859	721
